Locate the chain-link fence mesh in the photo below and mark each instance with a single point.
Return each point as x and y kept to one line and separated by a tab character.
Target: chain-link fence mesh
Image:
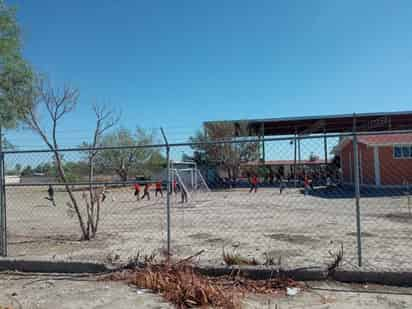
43	220
286	201
275	221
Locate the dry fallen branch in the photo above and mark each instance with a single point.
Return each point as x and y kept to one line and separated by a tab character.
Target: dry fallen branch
178	284
181	285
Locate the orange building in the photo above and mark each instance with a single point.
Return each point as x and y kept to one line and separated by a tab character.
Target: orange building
384	160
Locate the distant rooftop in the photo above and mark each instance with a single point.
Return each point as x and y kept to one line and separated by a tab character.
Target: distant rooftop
285	162
377	140
390	139
370	122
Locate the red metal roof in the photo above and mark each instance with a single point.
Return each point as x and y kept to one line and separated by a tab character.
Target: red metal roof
389	139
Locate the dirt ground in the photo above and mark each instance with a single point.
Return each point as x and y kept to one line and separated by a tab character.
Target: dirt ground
295	230
41	291
35	291
333	295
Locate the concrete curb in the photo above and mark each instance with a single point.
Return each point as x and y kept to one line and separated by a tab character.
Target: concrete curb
386	278
51	266
252	272
311	274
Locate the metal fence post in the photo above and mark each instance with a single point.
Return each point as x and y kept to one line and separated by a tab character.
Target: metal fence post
294	159
3	218
169	191
357	192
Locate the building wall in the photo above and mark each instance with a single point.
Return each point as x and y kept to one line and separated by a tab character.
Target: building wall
368	167
12	179
346	159
366	164
392	171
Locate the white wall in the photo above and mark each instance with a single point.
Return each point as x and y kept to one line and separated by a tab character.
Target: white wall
12	179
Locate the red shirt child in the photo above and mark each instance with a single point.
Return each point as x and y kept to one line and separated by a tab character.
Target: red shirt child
159	185
306	182
254	180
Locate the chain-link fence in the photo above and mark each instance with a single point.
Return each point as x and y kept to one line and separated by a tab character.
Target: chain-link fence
290	201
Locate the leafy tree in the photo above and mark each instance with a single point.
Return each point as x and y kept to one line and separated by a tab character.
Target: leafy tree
124	161
27	171
221	152
6	144
17	169
15	74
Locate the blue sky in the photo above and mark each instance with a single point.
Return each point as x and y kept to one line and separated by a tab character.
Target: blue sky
176	63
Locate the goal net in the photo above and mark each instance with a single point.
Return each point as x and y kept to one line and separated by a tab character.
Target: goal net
190	179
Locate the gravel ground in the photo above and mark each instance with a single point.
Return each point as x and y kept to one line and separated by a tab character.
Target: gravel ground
295	230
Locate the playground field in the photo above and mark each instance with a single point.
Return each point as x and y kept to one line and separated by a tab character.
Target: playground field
294	229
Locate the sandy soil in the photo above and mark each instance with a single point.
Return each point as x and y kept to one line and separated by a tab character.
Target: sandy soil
296	230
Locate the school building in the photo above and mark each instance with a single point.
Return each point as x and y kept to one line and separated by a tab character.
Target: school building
384	160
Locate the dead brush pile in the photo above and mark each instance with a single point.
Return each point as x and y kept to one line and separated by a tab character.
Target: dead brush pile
181	285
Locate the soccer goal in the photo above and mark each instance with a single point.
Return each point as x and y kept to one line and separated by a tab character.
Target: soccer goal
187	175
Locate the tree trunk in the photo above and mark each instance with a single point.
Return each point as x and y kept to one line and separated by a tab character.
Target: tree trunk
71	195
91	194
122	174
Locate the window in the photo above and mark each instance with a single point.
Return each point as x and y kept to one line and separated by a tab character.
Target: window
397	152
402	151
406	151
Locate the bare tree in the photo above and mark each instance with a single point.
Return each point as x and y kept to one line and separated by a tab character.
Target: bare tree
105	120
57	103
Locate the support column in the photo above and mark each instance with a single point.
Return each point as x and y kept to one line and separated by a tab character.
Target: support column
325	146
263	143
294	160
377	166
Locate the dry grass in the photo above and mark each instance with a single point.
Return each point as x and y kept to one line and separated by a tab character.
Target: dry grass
270	260
237	259
337	260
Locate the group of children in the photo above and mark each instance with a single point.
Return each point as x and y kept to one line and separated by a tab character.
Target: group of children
176	187
159	190
307	184
146	190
